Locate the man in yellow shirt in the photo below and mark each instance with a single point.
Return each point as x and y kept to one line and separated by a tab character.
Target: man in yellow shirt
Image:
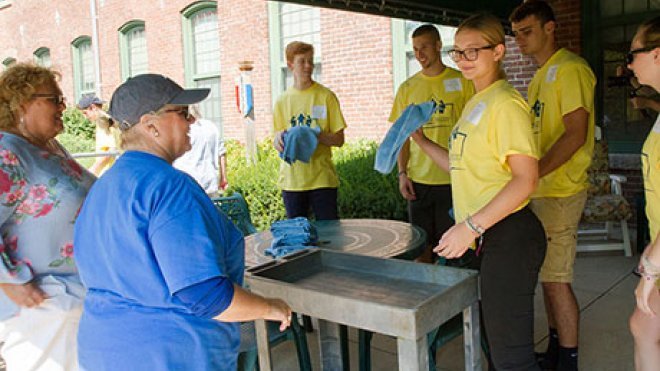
421	182
308	103
561	96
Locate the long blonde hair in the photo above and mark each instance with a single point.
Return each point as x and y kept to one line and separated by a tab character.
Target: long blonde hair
490	29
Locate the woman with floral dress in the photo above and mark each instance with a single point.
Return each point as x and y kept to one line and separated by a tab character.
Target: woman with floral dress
41	191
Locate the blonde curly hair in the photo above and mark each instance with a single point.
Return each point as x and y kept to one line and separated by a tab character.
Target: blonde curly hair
17	85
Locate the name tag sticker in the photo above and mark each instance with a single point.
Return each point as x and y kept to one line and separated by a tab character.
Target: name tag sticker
319	112
475	115
453	85
551	75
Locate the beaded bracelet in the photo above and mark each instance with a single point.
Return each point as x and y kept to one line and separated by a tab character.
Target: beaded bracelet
474	227
648	268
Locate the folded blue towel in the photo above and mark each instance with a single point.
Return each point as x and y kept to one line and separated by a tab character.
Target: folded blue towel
291	235
411	119
300	142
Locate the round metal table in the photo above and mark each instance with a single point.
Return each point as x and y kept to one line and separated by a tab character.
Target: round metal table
372	237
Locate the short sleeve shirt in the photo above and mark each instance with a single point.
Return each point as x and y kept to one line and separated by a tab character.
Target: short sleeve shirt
562	85
145	232
495	123
450	91
651	173
316	106
201	161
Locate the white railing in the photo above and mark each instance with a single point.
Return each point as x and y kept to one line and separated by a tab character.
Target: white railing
95	154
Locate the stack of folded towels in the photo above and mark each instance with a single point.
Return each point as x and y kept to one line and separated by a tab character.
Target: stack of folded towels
291	235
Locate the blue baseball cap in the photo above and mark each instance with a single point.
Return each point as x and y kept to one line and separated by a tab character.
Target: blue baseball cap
88	100
147	93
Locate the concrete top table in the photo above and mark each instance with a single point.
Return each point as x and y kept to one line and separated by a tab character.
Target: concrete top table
398	298
370	237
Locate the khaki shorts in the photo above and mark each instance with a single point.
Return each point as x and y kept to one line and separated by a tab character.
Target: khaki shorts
560	217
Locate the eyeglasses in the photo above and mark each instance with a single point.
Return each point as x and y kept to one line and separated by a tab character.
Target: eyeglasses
183	111
630	56
53	98
469	54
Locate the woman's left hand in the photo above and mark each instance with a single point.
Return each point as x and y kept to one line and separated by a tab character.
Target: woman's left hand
643	292
455	242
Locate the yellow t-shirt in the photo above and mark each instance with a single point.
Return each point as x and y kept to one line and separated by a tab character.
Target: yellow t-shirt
314	106
495	123
651	172
107	139
563	84
450	90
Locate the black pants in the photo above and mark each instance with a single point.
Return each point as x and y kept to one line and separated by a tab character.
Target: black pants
513	251
430	210
323	202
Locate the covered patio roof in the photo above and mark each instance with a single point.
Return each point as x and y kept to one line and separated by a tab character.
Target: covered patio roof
448	12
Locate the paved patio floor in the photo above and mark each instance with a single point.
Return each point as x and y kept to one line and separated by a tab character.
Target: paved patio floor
604	287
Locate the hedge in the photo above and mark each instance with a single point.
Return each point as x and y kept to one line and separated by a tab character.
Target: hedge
363	192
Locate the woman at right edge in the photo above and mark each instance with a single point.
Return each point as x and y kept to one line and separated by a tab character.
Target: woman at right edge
493	162
644	60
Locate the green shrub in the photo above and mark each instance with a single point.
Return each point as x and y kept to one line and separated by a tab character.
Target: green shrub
363	192
76	144
76	124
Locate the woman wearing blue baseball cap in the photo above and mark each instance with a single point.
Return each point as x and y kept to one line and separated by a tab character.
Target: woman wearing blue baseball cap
162	267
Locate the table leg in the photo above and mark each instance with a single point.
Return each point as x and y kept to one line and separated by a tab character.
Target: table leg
413	354
329	339
263	346
472	337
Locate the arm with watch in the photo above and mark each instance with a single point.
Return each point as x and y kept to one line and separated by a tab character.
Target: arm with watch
524	178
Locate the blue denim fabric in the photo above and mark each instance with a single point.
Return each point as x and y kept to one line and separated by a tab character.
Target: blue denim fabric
411	119
291	235
299	143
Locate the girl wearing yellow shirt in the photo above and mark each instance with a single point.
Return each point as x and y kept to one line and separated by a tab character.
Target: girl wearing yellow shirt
644	60
492	159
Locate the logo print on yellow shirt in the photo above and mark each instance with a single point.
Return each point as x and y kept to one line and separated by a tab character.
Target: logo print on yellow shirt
456	148
537	110
301	120
443	115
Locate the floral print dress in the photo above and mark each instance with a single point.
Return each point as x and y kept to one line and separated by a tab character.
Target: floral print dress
40	196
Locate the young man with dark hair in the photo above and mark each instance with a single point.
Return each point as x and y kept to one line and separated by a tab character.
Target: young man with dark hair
421	182
561	95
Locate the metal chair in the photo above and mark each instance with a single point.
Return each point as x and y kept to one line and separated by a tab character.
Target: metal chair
236	209
248	352
605	205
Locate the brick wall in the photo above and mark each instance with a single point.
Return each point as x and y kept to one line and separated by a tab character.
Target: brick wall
357	51
29	25
357	66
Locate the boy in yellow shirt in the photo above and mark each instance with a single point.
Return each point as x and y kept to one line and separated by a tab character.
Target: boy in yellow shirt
307	102
421	182
561	96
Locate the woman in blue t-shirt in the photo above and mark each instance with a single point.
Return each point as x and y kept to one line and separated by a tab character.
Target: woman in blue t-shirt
162	267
